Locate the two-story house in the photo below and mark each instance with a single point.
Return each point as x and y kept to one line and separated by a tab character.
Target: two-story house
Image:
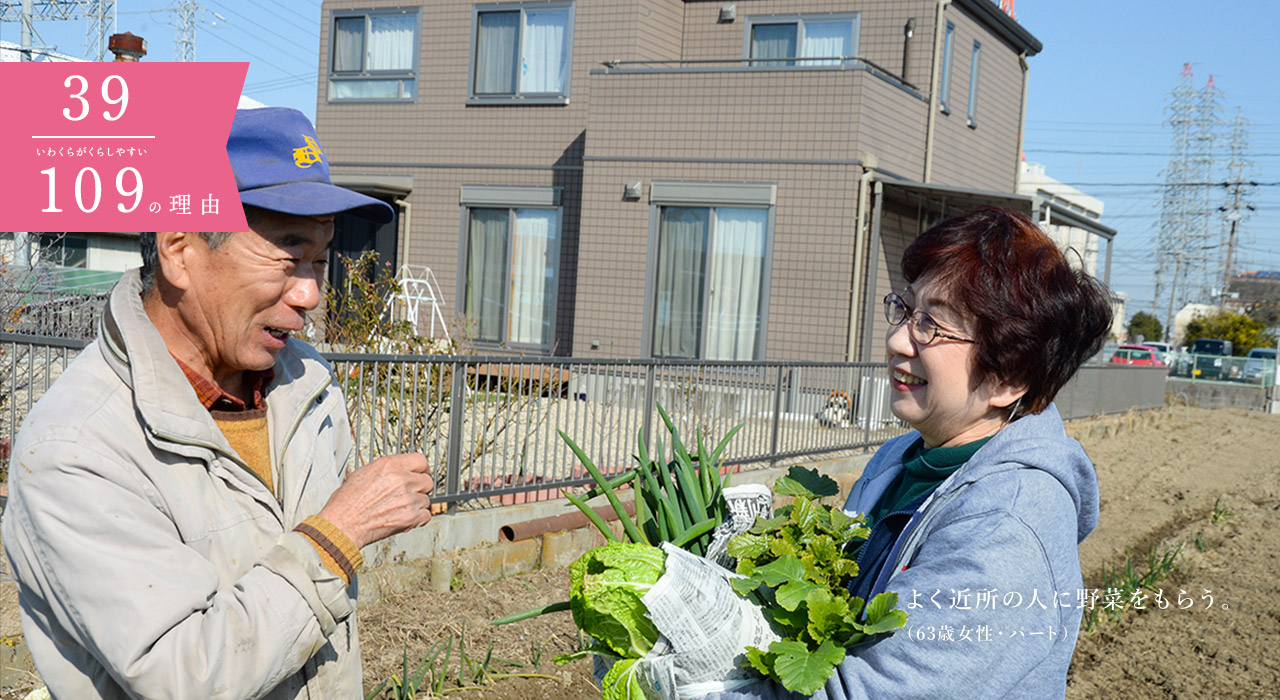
670	178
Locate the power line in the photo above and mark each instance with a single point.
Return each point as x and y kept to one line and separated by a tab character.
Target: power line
269	31
248	52
1032	149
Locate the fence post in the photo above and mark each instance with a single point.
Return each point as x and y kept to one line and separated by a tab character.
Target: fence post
457	416
649	389
777	419
866	390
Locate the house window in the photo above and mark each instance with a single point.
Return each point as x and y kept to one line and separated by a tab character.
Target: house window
944	89
63	250
973	85
826	39
511	270
374	56
522	51
710	282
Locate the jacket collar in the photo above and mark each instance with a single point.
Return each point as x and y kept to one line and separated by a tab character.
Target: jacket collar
164	398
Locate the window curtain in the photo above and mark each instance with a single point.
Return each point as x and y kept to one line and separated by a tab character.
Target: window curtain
496	53
737	264
365	89
348	44
826	40
773	41
533	276
543	63
391	42
486	271
682	245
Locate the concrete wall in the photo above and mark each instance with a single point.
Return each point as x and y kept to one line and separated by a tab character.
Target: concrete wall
113	253
1220	394
1101	389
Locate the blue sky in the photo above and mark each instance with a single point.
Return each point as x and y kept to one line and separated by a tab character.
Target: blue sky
1097	93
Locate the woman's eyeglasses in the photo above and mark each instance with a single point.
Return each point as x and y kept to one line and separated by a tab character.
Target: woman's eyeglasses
923	329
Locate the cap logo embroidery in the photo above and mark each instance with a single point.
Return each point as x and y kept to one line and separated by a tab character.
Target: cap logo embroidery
308	155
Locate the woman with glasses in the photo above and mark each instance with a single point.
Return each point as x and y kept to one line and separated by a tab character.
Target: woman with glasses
976	515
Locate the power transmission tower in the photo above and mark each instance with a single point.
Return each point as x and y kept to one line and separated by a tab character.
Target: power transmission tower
1206	228
183	15
1239	187
101	16
1183	241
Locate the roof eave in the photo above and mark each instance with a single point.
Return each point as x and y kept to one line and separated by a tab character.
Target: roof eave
1003	25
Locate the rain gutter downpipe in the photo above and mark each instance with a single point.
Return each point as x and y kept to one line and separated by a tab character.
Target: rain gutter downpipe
939	30
1022	123
404	236
861	241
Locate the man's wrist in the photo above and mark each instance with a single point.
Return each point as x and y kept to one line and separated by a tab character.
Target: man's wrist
338	551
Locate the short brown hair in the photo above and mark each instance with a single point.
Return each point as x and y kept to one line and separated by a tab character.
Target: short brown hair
1036	319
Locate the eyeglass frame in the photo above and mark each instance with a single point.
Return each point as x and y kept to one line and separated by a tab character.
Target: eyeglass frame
915	317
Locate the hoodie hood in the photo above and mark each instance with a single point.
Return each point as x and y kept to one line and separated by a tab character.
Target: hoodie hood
1039	441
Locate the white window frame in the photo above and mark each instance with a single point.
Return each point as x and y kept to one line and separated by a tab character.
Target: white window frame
511	198
973	85
944	89
404	77
854	18
712	196
520	96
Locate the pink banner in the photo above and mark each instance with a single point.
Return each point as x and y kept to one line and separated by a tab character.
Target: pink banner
118	147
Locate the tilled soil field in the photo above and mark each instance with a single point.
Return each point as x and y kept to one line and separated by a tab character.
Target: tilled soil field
1208	480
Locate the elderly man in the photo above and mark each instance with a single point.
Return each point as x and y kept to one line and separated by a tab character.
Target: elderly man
182	522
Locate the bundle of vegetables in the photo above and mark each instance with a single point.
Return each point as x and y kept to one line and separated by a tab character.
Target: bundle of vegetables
796	565
680	501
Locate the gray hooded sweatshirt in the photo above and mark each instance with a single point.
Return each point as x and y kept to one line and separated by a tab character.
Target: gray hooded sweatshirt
988	571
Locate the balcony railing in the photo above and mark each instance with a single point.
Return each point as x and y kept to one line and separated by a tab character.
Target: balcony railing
720	65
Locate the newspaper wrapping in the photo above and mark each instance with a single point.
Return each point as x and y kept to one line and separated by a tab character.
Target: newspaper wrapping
746	502
705	627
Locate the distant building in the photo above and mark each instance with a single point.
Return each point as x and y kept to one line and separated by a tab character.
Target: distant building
1119	328
1247	289
1184	316
1071	218
12	53
671	178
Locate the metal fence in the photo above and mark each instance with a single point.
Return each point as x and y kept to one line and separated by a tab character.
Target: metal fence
493	424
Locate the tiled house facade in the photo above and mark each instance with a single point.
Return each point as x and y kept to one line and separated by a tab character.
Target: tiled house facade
670	178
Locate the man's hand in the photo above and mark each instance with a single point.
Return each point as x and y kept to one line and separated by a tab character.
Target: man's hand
382	498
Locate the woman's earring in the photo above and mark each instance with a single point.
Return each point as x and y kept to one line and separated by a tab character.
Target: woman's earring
1013	410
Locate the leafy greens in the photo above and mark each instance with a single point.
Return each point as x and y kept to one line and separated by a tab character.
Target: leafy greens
797	567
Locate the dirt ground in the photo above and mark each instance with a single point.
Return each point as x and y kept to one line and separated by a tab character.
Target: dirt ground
1207	479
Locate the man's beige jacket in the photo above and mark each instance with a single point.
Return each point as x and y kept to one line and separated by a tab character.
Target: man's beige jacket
150	561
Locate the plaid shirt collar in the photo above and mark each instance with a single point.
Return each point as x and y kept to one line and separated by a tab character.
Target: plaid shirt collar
213	398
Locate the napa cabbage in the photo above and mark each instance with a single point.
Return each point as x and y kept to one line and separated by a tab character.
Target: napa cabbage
606	587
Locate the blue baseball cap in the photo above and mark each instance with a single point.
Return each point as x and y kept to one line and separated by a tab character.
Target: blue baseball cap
279	165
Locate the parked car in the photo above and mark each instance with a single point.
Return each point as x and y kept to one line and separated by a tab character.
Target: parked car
1137	355
1210	357
1163	351
1260	366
